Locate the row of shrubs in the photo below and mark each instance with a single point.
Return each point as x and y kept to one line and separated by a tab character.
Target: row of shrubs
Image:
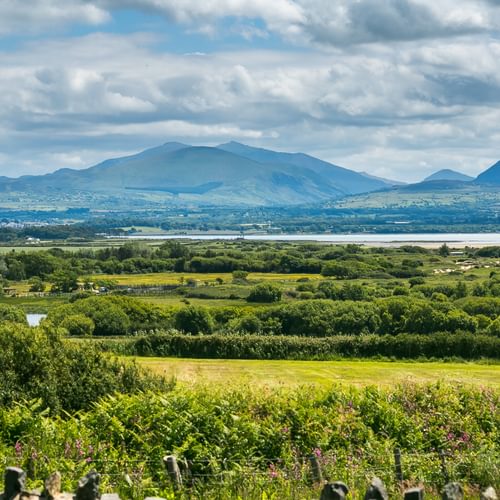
116	315
405	346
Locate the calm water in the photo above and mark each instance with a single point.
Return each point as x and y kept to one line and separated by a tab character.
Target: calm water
34	319
458	238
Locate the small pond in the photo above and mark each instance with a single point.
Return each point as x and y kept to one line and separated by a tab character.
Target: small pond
34	319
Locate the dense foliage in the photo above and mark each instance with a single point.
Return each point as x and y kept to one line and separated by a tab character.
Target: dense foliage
38	364
118	315
402	346
242	443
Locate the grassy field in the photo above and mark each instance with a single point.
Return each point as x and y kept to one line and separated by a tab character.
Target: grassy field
177	278
295	373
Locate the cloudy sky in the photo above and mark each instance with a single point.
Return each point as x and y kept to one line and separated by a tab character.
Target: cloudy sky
396	88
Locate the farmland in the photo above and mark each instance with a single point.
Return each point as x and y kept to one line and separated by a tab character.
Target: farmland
272	373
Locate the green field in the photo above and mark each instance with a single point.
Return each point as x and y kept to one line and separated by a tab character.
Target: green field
171	278
296	373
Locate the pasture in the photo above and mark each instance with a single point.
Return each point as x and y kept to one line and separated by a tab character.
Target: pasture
258	373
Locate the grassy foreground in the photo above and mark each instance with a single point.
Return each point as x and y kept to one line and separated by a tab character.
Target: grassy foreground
296	373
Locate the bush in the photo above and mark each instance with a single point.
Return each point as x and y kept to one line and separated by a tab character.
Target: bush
114	315
78	325
194	319
265	292
38	364
12	314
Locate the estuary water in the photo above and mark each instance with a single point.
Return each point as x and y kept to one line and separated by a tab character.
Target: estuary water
462	239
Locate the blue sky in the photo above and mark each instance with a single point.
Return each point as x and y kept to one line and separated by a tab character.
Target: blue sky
396	88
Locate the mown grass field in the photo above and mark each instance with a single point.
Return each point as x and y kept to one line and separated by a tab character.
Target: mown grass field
295	373
177	278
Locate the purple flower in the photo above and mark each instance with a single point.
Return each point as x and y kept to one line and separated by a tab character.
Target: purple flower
317	452
19	448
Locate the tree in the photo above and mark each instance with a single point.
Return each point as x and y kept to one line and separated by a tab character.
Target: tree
12	314
36	284
78	325
194	319
264	292
239	276
64	281
444	251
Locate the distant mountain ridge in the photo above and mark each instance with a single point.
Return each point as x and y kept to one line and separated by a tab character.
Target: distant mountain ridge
447	174
229	174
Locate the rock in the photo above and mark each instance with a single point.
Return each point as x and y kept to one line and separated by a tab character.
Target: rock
15	478
334	491
52	486
376	490
88	487
414	494
452	491
110	496
489	494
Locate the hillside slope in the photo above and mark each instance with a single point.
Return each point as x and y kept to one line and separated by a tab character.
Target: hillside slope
176	173
447	174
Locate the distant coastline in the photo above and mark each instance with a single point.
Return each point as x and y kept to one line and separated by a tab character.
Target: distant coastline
379	239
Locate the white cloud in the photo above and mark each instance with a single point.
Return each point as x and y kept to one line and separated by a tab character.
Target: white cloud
323	22
33	16
382	108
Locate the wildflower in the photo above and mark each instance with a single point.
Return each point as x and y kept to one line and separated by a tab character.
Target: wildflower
317	452
19	448
273	473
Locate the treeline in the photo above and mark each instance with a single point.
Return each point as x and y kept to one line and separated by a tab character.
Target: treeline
404	346
349	261
119	315
344	262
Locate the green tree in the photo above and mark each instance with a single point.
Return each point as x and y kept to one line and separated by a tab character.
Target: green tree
194	319
78	325
36	284
264	292
12	314
64	281
444	251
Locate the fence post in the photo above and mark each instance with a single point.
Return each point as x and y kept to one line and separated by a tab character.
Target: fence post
398	466
316	473
444	469
173	470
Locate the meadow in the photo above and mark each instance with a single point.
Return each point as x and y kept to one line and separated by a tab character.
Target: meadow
289	373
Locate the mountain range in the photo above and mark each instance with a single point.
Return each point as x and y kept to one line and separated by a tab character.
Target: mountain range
229	174
226	175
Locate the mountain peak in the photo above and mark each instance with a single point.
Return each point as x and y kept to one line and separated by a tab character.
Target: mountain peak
446	174
491	175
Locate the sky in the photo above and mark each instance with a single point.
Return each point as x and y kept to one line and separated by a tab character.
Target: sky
395	88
